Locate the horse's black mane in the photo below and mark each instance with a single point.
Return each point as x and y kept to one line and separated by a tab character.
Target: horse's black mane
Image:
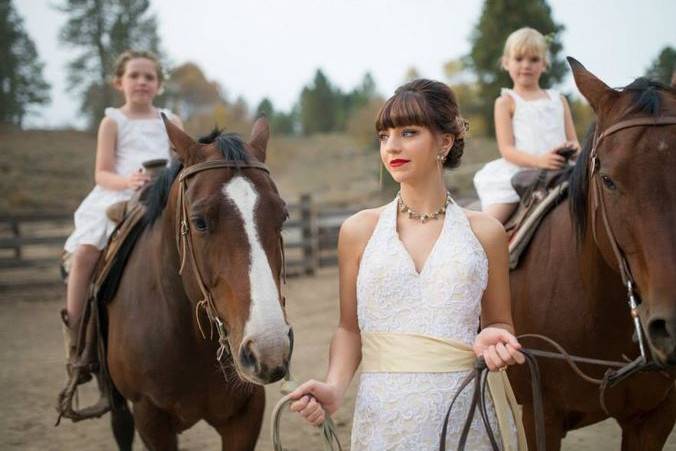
646	99
155	199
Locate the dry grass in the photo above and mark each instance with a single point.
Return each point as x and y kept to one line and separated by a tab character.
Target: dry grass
45	170
54	170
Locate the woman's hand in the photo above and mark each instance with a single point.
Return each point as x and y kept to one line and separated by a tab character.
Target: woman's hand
137	179
314	400
498	347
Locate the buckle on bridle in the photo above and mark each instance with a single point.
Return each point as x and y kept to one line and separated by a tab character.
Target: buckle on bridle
224	346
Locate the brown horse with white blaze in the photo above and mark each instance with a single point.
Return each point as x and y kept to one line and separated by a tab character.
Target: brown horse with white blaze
623	191
210	255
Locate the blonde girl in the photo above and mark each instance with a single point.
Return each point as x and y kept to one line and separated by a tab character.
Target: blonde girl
533	126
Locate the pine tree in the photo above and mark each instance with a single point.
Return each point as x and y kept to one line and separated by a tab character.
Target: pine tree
663	68
101	30
319	106
21	82
498	20
266	108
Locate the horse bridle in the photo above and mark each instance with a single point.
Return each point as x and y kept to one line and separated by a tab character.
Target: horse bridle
185	246
611	377
598	203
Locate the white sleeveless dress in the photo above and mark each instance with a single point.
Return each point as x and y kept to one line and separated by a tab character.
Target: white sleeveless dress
538	127
405	411
138	140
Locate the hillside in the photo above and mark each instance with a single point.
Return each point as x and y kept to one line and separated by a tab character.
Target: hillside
53	170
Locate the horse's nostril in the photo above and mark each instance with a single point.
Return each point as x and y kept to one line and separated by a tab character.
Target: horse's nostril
290	341
246	354
277	373
658	330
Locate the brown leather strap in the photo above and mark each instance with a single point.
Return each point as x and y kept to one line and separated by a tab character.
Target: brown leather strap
637	122
220	164
185	247
599	206
598	201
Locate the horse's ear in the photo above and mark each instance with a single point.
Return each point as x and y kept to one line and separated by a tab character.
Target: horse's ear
183	144
592	88
260	133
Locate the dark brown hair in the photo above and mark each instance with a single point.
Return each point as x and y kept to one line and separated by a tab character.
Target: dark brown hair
123	59
430	104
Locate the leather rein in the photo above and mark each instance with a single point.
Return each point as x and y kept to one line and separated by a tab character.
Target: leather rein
622	370
185	247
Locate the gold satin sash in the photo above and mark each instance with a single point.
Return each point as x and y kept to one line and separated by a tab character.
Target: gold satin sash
411	353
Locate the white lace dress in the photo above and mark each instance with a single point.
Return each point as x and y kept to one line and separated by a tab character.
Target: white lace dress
138	140
405	411
538	127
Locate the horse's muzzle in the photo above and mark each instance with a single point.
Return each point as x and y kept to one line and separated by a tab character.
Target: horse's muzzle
265	361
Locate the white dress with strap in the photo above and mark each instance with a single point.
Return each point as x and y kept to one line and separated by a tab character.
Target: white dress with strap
138	140
538	127
405	410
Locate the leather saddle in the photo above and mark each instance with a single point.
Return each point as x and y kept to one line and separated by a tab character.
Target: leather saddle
540	191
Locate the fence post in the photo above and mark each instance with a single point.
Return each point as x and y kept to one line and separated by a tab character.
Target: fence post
14	224
309	234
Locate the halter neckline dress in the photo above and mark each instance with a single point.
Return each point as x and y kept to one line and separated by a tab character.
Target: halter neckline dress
538	126
405	411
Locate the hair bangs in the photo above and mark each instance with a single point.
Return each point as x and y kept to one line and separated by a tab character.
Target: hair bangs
526	42
404	108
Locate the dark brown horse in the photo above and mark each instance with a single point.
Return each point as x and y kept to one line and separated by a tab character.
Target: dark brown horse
217	213
569	286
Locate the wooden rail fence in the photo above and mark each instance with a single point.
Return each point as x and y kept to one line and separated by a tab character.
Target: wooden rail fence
33	242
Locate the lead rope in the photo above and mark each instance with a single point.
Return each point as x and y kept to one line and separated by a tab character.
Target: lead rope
328	428
289	384
478	375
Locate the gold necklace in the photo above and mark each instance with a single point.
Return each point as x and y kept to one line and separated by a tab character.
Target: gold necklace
424	217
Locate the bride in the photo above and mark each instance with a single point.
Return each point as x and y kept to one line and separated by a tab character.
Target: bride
418	278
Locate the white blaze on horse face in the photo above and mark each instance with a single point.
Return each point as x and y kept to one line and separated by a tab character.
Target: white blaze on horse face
266	323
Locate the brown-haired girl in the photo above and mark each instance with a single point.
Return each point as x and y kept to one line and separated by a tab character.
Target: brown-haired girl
127	137
418	277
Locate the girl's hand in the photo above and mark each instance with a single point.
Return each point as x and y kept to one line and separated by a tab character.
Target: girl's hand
572	144
137	179
550	160
498	347
314	400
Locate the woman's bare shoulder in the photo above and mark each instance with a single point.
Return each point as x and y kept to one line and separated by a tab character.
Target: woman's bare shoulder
488	230
358	228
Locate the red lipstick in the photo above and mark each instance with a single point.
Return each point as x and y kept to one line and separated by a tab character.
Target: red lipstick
398	162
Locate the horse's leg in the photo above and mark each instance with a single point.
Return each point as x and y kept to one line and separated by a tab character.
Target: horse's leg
155	426
240	432
650	431
121	421
553	427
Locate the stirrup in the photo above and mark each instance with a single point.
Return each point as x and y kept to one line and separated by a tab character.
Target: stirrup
65	407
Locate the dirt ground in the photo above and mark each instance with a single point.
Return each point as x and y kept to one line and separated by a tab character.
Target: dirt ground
31	375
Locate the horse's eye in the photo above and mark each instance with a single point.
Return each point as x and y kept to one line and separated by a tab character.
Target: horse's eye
608	182
199	223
